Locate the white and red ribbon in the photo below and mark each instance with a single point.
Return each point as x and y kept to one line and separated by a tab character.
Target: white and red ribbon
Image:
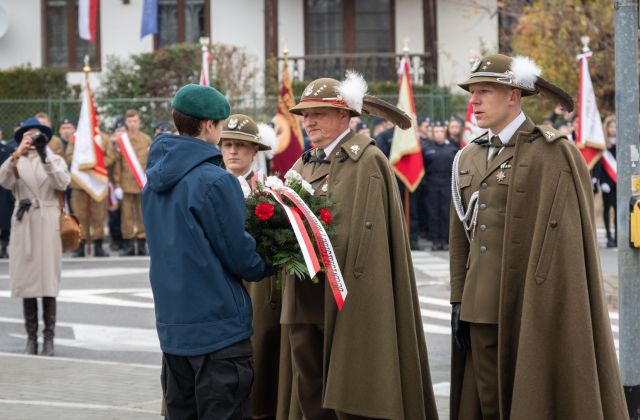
333	273
132	160
610	165
309	255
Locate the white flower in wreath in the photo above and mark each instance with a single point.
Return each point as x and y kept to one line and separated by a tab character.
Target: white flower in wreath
292	177
274	183
308	188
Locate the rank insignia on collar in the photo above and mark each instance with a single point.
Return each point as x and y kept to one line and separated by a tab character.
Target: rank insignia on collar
549	134
325	187
233	123
355	149
500	176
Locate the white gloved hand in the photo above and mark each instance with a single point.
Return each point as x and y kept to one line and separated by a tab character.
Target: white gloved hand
119	193
605	188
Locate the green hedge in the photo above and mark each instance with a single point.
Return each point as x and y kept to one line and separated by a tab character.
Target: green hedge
29	83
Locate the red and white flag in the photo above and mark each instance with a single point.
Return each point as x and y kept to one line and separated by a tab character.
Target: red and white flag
610	165
471	129
88	19
204	71
406	154
589	132
87	163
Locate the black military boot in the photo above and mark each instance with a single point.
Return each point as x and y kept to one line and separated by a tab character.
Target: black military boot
142	247
30	309
127	249
49	318
98	251
4	244
80	251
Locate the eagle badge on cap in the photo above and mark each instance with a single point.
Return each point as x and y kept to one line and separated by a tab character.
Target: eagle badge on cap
475	65
355	149
233	123
309	90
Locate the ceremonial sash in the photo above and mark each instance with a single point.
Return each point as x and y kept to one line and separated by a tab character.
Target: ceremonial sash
132	160
332	271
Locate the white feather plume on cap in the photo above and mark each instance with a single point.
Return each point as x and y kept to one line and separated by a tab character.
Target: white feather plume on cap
352	90
268	137
525	71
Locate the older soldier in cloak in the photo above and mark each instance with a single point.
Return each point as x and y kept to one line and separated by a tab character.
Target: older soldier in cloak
530	321
370	359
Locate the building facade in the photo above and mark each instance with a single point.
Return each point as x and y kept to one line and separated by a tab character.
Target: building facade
323	37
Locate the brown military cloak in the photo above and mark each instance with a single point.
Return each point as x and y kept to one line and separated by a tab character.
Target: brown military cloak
375	355
556	358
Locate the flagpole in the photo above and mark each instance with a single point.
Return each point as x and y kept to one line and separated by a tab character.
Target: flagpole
86	69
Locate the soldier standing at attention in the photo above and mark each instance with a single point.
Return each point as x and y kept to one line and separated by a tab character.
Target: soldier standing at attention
438	159
129	178
529	316
91	213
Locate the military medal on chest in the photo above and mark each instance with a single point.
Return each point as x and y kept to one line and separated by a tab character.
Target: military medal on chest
501	175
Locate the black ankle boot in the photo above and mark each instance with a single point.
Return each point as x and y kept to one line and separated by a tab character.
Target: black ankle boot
142	247
49	318
80	251
98	251
30	309
127	248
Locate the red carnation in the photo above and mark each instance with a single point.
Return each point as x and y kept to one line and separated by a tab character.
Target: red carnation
264	211
325	216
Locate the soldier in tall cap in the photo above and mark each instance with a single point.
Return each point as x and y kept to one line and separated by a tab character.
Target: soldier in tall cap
240	142
128	175
370	359
66	129
90	210
530	322
438	159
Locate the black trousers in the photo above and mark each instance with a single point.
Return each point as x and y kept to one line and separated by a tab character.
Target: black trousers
211	386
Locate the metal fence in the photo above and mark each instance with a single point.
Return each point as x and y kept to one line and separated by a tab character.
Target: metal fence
153	110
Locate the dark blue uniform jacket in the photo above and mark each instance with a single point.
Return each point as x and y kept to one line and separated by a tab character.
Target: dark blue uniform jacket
194	217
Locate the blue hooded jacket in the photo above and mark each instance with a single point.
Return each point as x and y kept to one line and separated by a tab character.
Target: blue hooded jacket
194	217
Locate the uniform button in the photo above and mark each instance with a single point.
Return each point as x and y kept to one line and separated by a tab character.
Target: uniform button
484	185
483	249
553	223
483	227
368	225
483	206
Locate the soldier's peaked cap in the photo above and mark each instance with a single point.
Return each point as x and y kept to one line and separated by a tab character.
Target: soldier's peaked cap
242	127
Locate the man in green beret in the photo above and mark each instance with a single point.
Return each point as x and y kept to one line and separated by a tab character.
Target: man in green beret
532	338
369	360
194	215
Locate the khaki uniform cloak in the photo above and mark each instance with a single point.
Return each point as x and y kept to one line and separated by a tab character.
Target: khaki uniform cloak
556	358
375	355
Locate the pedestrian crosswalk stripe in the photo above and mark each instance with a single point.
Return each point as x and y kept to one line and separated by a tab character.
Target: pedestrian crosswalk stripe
434	301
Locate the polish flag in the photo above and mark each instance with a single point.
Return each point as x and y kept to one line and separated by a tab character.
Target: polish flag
88	19
406	154
589	132
204	71
87	164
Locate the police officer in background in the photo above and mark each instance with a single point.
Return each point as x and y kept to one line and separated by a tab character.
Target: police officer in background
438	159
7	147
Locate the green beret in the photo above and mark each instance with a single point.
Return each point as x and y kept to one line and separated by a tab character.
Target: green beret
202	102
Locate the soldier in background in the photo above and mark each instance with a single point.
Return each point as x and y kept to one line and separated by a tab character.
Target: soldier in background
128	175
115	228
55	144
454	130
438	159
7	147
91	213
67	129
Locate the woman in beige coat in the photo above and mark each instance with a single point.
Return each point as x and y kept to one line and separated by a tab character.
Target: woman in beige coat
35	262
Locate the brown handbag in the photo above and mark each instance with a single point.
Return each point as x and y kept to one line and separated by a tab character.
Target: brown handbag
69	227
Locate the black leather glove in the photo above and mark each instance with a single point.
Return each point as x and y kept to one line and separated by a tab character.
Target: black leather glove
459	328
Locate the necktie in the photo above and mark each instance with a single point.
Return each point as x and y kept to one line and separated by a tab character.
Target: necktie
496	146
320	155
